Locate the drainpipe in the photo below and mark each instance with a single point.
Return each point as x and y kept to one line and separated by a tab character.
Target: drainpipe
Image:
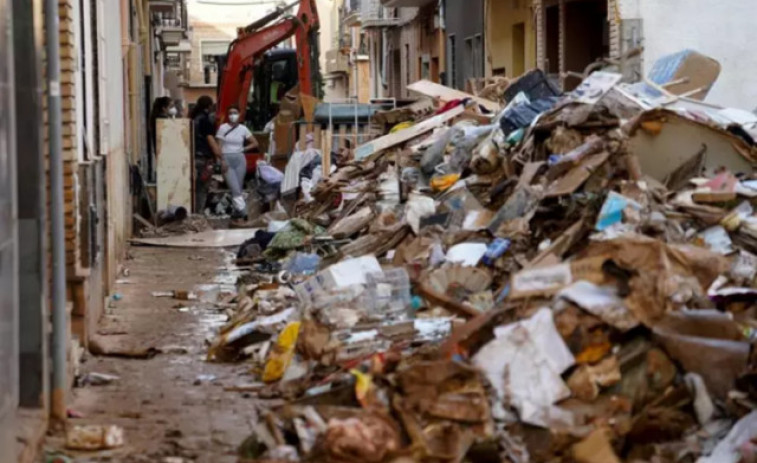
144	35
135	120
57	231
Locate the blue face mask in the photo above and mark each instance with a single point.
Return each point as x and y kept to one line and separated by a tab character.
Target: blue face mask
212	117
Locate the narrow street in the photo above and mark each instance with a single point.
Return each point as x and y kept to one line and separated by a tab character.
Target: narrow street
174	404
378	231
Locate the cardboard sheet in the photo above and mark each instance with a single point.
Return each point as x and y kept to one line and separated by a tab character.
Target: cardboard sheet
447	94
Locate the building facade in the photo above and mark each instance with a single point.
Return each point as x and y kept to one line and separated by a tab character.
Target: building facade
510	37
564	37
719	29
213	25
464	29
107	51
386	46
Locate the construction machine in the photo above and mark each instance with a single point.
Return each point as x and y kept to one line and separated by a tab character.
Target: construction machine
253	75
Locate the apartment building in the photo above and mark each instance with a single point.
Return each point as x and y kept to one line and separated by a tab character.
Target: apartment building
385	46
213	25
111	56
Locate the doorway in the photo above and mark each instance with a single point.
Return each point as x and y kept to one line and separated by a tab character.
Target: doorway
519	49
586	36
552	66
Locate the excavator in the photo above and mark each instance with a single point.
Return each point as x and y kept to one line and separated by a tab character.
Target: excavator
253	75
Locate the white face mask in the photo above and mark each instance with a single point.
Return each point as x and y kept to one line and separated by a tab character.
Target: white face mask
172	111
234	118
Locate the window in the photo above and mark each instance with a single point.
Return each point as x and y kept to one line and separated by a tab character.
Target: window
425	66
209	50
473	57
452	62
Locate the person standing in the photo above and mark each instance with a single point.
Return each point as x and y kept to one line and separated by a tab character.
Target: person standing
161	109
235	138
206	149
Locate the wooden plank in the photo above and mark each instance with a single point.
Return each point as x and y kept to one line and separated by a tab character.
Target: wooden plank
326	153
143	221
317	136
446	94
342	136
174	163
309	103
394	139
283	131
303	135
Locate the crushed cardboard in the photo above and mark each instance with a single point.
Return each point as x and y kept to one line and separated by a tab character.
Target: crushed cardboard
618	325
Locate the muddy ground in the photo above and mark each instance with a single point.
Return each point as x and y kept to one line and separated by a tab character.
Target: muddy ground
174	404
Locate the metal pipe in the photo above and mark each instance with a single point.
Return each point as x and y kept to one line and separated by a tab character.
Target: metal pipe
57	231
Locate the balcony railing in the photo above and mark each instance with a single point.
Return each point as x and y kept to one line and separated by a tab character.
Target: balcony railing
169	21
373	14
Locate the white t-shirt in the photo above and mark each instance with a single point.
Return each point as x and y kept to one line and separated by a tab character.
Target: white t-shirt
233	139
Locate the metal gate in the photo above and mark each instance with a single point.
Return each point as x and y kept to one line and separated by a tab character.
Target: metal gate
8	245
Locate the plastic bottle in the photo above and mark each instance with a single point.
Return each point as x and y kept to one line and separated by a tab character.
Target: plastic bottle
496	249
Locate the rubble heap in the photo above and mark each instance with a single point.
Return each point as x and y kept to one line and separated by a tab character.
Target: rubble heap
571	278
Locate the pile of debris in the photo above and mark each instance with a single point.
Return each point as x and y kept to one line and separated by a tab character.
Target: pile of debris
569	278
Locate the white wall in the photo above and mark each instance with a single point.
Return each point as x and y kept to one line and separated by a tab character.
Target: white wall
229	13
329	32
113	101
722	29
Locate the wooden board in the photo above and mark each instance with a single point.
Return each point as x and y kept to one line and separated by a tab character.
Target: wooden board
446	94
342	137
394	139
309	104
174	163
326	153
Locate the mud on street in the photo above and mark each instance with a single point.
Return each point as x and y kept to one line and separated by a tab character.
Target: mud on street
173	404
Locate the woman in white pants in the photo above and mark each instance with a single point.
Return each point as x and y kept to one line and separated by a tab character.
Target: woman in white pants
235	139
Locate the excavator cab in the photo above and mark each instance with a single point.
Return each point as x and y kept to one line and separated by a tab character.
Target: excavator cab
273	77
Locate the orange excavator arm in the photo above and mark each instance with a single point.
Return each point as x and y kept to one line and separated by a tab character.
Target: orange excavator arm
257	38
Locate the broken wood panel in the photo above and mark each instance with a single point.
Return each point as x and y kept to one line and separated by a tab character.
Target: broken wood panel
342	137
394	139
446	94
317	136
577	176
174	163
301	138
326	144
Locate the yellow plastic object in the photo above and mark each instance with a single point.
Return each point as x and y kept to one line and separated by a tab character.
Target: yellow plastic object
282	353
594	353
363	383
402	126
444	182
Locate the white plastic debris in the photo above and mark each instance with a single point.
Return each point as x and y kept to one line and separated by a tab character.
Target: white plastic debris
467	254
524	363
727	450
418	207
602	301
